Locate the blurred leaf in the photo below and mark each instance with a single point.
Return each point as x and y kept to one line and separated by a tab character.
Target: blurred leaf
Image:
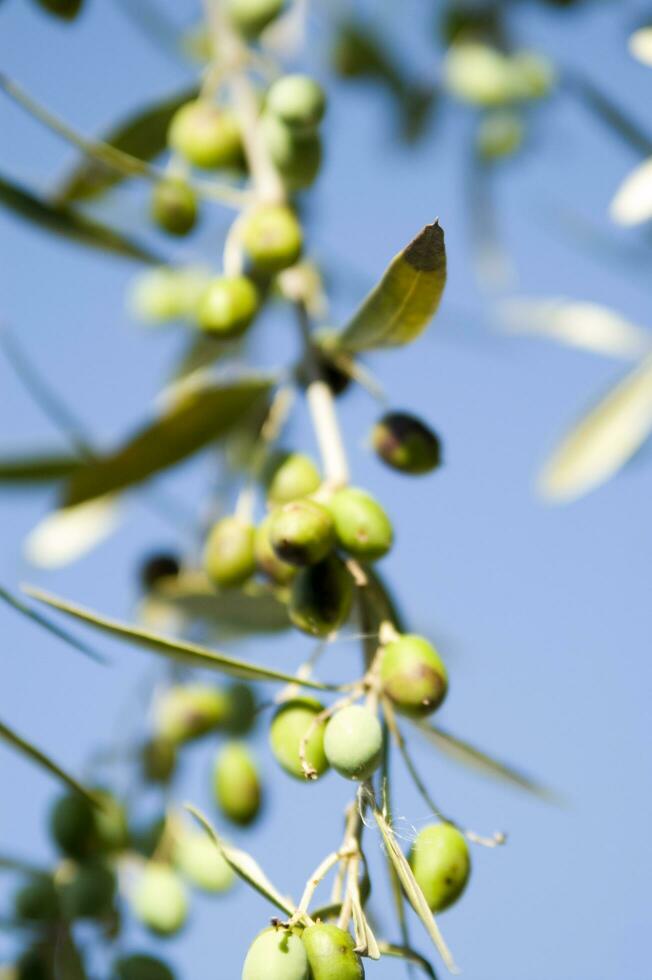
462	751
197	419
44	761
406	953
142	134
64	9
400	307
640	45
36	469
255	608
626	128
603	441
413	892
48	625
585	325
189	653
244	865
67	534
202	351
62	220
67	958
632	202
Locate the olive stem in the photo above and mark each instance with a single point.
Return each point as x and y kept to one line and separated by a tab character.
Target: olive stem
313	883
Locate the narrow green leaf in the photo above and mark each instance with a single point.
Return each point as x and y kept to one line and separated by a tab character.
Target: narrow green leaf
202	351
200	417
409	954
603	441
469	755
44	761
400	307
255	608
244	865
190	653
36	469
62	220
8	863
48	625
143	134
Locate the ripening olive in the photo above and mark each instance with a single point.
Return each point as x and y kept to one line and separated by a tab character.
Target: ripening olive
159	899
38	900
331	953
157	567
288	476
361	525
302	532
229	558
251	17
290	724
406	444
298	101
174	206
296	154
241	713
183	713
276	954
266	559
158	759
272	238
199	860
89	891
140	966
236	783
353	742
321	597
206	135
72	825
441	864
228	306
413	675
500	134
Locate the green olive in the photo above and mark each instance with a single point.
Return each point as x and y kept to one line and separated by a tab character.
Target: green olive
65	9
166	294
478	74
296	154
272	238
228	306
298	101
140	966
441	864
72	825
276	954
290	724
413	675
251	17
110	819
38	900
186	712
206	135
236	783
159	899
302	532
266	559
174	206
321	597
229	558
533	75
361	525
406	444
500	134
35	963
353	742
199	860
158	760
331	953
89	891
241	712
288	476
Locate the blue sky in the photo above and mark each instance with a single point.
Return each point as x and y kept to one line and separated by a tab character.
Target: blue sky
542	613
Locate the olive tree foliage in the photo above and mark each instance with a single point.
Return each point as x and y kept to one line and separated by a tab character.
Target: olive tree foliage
299	549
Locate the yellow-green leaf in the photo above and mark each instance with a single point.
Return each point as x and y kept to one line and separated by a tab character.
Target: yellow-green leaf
59	219
200	417
400	307
603	441
48	625
180	650
29	750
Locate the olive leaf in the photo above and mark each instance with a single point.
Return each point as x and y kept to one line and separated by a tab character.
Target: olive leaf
69	533
603	441
412	890
608	111
189	653
244	865
400	307
254	608
62	220
26	748
200	417
202	351
47	624
409	954
462	751
143	135
37	469
632	202
63	9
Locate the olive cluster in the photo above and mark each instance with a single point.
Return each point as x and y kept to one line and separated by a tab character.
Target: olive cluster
318	952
